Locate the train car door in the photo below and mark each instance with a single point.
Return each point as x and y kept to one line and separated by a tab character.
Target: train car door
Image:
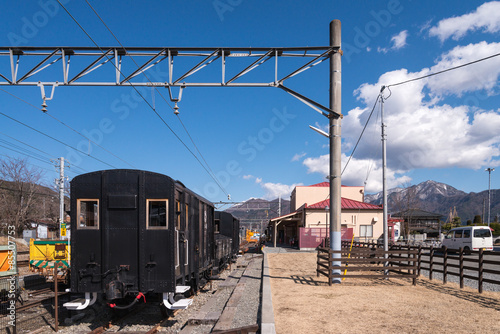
187	235
120	216
181	235
158	242
86	236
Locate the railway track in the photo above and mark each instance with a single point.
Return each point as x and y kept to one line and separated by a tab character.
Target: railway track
42	301
222	304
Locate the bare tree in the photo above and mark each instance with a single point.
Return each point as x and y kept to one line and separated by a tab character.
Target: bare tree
19	186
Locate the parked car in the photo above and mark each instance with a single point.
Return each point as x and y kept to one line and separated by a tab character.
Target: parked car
469	238
496	242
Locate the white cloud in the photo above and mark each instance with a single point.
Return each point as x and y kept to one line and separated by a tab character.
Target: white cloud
382	50
275	190
482	75
298	156
485	17
248	177
358	172
258	180
399	40
422	130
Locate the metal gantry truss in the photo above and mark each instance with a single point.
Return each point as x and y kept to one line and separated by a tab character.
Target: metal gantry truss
125	66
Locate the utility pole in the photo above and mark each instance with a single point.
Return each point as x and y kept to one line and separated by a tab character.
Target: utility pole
384	178
489	170
279	206
60	182
335	145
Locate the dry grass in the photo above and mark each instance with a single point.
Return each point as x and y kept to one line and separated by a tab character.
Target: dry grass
304	303
21	247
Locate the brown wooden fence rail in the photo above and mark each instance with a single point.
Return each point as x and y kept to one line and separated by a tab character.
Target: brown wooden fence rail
451	263
367	259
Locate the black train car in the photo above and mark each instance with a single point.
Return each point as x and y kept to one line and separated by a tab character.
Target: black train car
138	233
229	226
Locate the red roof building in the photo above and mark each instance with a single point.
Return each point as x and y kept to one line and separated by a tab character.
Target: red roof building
310	215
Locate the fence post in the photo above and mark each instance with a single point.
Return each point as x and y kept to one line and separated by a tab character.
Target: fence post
413	256
317	264
56	300
419	259
461	263
445	264
480	278
431	262
330	269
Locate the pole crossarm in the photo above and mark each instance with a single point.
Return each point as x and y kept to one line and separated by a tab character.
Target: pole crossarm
313	104
113	66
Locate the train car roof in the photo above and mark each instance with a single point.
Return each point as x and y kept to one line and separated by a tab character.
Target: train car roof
177	182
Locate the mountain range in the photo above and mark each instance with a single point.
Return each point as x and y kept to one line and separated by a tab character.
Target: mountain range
429	196
256	210
440	198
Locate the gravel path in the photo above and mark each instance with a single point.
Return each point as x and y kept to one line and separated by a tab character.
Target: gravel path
245	278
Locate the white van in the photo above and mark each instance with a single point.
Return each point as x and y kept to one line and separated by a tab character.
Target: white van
470	238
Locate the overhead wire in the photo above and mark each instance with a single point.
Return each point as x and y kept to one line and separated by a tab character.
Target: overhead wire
55	139
36	193
5	155
411	80
137	91
196	147
371	164
445	70
211	173
361	135
39	150
69	127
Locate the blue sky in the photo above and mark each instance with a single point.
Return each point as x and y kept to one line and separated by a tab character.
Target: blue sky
257	140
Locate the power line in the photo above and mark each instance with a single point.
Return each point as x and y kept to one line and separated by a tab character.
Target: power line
33	154
159	116
69	127
39	150
57	140
36	193
26	154
5	155
211	173
196	147
361	135
446	70
411	80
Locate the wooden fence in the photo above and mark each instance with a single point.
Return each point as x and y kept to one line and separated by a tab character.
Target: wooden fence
371	261
480	266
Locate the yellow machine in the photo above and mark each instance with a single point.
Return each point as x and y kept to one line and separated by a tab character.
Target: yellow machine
8	260
252	236
46	254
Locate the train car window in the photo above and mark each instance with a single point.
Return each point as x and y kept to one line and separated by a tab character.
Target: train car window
88	213
217	226
178	208
157	210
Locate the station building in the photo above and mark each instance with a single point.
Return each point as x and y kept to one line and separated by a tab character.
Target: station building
307	225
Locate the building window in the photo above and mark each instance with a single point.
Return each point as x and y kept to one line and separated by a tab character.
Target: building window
354	219
366	231
157	211
88	213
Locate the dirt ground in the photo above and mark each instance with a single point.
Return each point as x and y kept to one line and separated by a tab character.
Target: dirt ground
304	303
